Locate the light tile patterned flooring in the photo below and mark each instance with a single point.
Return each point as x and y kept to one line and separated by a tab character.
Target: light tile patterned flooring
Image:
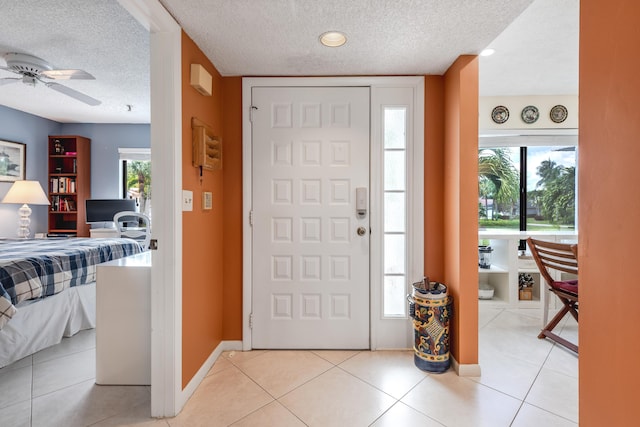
524	382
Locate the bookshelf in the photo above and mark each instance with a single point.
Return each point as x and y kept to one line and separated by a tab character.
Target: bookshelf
69	184
507	264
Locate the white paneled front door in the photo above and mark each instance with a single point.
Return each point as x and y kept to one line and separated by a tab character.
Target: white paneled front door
310	260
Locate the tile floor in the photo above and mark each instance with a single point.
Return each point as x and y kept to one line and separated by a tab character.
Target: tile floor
524	382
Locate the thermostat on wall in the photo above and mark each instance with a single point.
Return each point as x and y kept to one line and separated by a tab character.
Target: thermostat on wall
207	200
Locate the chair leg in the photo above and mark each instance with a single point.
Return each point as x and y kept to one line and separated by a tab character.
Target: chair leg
573	310
571	346
569	306
554	322
545	306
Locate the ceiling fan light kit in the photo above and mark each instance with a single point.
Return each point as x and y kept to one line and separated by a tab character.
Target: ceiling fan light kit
34	69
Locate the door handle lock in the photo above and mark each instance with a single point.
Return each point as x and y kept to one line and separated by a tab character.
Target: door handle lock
361	202
361	231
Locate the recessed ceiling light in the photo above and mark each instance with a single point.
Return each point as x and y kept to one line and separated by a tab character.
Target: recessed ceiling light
487	52
333	39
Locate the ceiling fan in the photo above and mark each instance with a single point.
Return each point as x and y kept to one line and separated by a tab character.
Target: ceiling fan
33	70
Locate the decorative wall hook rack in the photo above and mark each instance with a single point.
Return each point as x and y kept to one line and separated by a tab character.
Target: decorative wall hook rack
207	147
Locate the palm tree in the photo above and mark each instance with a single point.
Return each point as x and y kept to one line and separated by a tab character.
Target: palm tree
495	166
548	171
558	198
139	177
486	189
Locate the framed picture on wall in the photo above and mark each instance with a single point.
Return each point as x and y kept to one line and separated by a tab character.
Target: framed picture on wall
13	157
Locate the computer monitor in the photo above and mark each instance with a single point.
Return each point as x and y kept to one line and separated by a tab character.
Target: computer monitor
103	210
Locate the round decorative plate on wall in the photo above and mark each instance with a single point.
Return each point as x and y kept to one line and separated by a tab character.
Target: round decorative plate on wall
530	114
500	114
558	114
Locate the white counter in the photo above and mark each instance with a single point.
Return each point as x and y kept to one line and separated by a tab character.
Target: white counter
123	321
523	235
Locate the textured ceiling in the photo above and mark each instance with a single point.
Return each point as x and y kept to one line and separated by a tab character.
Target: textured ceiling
280	37
99	37
537	54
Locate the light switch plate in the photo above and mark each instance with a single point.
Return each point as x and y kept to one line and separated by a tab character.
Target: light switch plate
207	200
187	200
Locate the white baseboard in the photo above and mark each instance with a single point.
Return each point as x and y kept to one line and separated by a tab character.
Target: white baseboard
232	345
467	370
192	386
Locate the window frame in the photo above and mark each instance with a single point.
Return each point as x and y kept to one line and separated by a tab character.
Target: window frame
523	141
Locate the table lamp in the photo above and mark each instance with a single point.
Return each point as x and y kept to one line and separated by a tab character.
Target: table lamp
25	192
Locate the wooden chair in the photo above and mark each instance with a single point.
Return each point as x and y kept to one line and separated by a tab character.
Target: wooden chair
561	257
134	225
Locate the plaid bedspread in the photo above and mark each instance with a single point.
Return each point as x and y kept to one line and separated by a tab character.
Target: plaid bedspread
38	268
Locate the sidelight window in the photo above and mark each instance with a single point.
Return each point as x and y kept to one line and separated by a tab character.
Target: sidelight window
395	211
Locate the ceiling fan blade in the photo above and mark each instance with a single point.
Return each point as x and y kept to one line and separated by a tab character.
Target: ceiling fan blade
73	94
67	75
8	80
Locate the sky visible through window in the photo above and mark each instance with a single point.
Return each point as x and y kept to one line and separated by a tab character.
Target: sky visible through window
562	156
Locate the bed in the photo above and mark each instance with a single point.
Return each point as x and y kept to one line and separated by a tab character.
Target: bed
47	289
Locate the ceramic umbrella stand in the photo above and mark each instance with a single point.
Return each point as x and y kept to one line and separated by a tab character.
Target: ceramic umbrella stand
431	307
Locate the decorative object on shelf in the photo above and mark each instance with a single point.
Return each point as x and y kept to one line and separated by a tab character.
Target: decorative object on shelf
25	192
525	294
58	148
500	114
558	114
530	114
12	161
525	286
525	280
485	291
484	256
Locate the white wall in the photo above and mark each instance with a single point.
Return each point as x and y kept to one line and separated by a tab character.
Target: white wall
515	104
32	130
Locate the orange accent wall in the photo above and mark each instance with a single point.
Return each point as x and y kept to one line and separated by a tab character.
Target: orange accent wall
232	237
434	177
202	238
608	207
212	284
460	204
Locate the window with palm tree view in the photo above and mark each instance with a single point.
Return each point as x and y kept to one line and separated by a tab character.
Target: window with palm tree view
136	184
527	188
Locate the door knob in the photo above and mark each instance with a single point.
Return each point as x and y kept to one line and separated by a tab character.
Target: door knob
361	231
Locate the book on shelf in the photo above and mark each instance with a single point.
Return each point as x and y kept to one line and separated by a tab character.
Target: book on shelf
63	185
62	204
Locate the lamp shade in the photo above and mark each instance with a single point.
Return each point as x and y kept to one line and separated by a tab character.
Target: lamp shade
28	192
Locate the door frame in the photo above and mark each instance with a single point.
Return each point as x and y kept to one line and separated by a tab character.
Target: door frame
165	39
379	327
